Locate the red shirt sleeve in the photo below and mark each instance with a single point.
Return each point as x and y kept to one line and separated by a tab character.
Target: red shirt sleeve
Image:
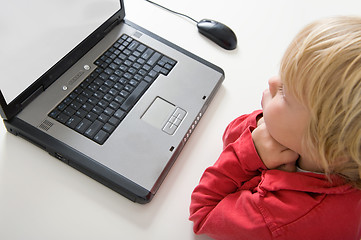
238	198
222	204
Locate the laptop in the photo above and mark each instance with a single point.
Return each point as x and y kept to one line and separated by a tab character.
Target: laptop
118	106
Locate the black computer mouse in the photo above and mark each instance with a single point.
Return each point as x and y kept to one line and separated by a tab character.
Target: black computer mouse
218	33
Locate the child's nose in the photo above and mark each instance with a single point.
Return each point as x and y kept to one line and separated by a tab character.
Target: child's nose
273	84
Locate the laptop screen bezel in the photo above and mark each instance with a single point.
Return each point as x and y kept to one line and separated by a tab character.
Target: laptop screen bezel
9	110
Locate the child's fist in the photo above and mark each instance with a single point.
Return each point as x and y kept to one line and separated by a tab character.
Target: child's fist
273	154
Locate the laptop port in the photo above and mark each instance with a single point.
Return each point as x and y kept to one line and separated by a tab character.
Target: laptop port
60	157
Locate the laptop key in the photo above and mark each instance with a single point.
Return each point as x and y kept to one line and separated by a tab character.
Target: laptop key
134	96
154	59
133	45
92	116
141	48
147	53
101	136
73	121
108	127
93	129
62	118
114	121
119	114
54	113
83	125
81	113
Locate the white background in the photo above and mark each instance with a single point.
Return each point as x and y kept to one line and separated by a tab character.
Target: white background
42	198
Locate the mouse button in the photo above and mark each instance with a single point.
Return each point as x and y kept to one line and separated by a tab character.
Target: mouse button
205	21
204	25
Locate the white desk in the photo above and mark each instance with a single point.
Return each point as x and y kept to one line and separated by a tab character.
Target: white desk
42	198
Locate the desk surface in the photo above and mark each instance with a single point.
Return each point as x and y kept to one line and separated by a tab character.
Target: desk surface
42	198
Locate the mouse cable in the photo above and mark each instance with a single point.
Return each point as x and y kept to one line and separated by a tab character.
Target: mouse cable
181	14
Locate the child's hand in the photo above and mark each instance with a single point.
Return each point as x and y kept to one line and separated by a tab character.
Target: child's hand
273	154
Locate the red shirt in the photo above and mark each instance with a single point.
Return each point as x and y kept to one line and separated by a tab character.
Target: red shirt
239	198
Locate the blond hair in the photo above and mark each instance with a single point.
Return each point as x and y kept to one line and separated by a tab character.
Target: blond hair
322	68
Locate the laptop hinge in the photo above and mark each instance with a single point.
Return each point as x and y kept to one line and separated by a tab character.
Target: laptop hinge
9	111
111	26
3	107
32	96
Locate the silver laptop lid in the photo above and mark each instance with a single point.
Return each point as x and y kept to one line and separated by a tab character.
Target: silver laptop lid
23	59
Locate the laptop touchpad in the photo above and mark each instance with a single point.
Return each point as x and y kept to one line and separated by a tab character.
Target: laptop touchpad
164	115
158	113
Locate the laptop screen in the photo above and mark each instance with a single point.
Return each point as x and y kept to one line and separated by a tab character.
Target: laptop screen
35	34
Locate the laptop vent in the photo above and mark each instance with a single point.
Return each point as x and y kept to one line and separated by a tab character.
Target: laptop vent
46	125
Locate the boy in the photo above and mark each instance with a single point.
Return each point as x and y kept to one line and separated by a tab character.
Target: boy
292	171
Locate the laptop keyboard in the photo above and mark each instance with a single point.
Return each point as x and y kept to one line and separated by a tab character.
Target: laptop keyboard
124	72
